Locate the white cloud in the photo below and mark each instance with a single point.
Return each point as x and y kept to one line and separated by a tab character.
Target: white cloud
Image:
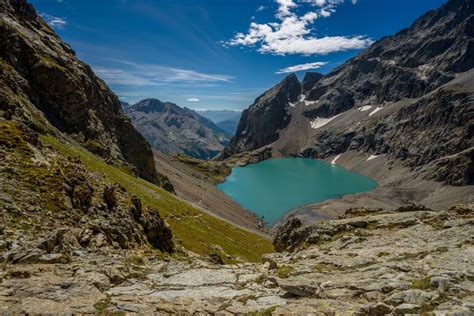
284	8
301	67
193	100
261	8
54	21
129	73
292	33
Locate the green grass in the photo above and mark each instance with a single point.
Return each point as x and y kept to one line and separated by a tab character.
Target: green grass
194	229
214	170
266	312
284	271
422	284
11	137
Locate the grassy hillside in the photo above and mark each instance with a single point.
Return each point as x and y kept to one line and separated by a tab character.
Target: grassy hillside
192	228
215	171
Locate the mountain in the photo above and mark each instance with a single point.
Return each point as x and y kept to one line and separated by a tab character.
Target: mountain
41	76
172	129
407	100
82	234
124	104
228	126
220	115
260	123
73	173
226	120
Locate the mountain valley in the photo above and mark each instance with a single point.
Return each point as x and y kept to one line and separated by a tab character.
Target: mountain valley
410	130
113	208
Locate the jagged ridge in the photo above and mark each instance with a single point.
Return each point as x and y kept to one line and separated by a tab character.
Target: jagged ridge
172	129
40	72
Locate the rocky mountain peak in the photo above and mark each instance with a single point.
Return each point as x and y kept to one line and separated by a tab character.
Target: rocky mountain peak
260	124
55	86
409	64
398	98
150	105
310	79
290	87
172	129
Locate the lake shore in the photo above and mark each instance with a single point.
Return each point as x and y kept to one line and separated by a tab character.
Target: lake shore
273	187
398	186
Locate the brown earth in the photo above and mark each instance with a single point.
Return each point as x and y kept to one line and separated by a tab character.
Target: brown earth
200	190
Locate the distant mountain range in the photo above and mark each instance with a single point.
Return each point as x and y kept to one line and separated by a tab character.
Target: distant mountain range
172	129
226	120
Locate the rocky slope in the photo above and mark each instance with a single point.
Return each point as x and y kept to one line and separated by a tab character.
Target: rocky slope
407	100
69	160
195	181
411	261
172	129
41	77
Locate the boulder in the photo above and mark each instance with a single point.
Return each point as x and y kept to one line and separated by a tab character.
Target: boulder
301	287
374	309
156	231
53	258
405	309
271	263
287	235
109	196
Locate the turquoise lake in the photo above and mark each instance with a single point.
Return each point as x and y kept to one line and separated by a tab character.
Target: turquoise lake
273	187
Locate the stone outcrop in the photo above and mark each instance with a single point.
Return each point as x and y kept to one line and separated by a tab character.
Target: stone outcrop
52	208
42	79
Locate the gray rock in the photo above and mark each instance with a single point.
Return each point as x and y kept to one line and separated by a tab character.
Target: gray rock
406	308
418	297
375	309
373	296
271	262
53	258
301	287
54	241
109	196
28	256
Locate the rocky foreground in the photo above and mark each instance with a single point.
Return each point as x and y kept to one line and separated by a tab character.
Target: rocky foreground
368	263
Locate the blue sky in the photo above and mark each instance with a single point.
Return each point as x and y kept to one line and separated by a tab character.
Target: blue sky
219	54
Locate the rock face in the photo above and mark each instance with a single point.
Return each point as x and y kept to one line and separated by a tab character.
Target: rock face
407	65
83	211
41	76
261	122
310	80
53	108
172	129
408	97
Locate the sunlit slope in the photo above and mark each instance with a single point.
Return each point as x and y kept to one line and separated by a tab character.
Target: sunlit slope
192	228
